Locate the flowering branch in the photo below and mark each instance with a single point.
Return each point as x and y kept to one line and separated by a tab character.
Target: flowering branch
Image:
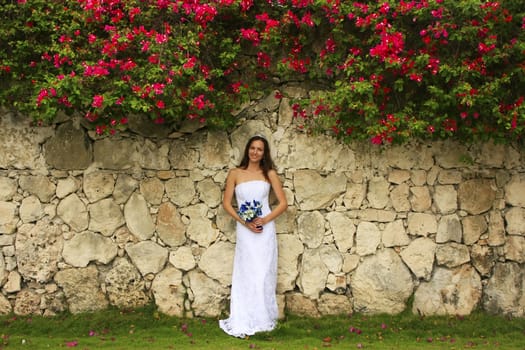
393	70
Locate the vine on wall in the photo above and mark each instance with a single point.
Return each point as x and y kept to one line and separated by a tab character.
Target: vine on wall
385	71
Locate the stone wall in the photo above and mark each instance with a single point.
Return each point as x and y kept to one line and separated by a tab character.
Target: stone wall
88	222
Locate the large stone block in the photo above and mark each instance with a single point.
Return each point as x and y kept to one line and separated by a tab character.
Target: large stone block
98	185
367	238
8	188
420	199
219	251
473	228
138	218
115	154
378	193
311	228
207	296
289	248
21	144
147	256
85	247
170	228
515	191
169	292
343	230
381	284
39	250
8	217
69	149
105	216
504	292
216	150
421	224
449	292
515	218
38	185
125	287
419	256
82	289
200	229
74	212
476	196
320	195
313	274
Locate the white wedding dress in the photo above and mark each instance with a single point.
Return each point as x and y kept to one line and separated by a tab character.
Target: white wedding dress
253	305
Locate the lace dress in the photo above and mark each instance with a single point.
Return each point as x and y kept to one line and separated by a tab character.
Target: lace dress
253	305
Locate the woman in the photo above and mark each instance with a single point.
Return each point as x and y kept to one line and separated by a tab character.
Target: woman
253	306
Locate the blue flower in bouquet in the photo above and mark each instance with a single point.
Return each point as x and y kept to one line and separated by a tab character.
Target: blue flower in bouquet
248	211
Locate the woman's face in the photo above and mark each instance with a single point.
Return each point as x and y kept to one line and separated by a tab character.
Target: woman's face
256	151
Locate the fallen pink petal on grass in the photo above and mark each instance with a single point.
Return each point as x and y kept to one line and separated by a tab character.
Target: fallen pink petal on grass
72	344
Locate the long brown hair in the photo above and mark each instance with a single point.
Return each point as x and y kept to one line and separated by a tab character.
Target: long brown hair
266	163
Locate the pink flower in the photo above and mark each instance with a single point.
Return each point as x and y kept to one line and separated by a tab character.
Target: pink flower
128	64
161	38
145	45
154	59
376	140
307	19
236	87
64	39
416	77
158	88
437	13
204	13
270	23
263	60
190	63
100	130
330	45
98	100
252	35
199	102
41	96
246	5
91	116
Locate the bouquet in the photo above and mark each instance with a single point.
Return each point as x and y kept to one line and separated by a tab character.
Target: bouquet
250	210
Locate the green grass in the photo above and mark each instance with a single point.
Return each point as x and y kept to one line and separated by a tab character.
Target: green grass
147	329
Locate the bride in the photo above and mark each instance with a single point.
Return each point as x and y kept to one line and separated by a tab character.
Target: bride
253	305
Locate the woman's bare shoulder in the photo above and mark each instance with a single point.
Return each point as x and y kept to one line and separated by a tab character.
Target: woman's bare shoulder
272	173
274	177
233	174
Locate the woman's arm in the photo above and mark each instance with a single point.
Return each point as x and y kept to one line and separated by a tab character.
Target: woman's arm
229	190
281	198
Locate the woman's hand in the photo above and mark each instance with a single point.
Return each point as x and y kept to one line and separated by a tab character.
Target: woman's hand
256	225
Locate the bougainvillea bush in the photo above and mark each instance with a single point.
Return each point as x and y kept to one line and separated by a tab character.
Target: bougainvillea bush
384	71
